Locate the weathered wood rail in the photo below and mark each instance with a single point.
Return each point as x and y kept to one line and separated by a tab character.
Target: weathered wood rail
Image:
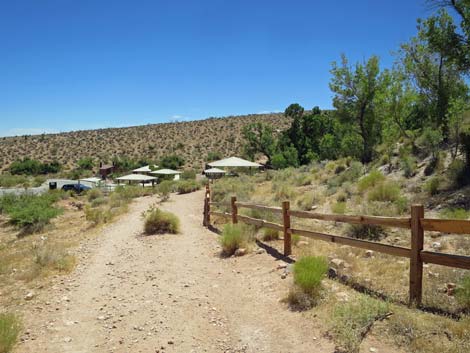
417	224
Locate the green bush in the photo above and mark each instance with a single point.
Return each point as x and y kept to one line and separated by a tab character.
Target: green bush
351	319
99	215
365	231
462	292
385	192
309	271
370	180
454	213
458	174
9	330
29	166
270	234
339	207
161	222
165	188
408	164
30	213
98	202
187	186
9	181
432	186
188	174
94	194
234	236
171	161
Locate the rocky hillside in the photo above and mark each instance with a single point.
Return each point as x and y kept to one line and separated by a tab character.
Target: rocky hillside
192	140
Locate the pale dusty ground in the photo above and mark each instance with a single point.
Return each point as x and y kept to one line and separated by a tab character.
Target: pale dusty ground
169	293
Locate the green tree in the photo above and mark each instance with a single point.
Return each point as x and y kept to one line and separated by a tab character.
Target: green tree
429	60
259	139
456	116
356	94
172	161
85	163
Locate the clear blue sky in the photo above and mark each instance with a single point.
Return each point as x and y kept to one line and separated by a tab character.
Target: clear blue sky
82	64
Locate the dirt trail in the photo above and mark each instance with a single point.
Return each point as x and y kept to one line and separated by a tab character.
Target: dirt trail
169	293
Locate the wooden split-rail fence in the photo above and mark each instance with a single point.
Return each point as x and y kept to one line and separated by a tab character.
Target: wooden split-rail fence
417	224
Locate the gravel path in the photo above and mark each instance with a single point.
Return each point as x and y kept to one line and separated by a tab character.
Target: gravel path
169	293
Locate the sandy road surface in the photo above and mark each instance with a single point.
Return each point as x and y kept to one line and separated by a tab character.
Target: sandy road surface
169	293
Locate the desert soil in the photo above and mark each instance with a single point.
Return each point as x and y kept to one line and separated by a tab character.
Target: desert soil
168	293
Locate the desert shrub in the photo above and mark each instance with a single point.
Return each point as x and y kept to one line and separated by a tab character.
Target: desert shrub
213	156
458	174
224	188
365	231
99	215
9	330
161	222
188	174
283	192
85	163
52	256
98	202
341	196
187	186
370	180
350	175
454	213
339	169
385	192
94	194
350	319
309	272
165	188
295	238
234	236
339	207
432	186
408	165
270	234
8	180
462	292
30	213
306	200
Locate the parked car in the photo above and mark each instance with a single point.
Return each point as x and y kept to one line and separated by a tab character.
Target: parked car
78	188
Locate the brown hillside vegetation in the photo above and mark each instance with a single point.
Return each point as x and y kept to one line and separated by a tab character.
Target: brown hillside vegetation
191	140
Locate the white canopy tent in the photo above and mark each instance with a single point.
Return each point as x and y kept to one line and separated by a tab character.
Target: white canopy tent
145	169
141	178
234	162
214	173
166	172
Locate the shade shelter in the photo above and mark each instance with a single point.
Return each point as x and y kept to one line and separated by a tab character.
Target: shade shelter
140	178
145	169
234	162
94	181
214	173
167	172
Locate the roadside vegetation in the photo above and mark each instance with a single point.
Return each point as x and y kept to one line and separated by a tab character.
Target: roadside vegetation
158	221
9	330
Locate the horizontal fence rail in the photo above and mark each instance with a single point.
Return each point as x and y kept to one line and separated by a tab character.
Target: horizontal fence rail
417	224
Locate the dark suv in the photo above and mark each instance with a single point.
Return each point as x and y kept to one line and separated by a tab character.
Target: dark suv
78	188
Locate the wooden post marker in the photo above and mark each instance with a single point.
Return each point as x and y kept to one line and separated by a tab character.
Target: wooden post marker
286	224
416	264
234	210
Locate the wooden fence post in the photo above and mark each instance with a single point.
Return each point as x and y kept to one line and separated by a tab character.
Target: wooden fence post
416	264
207	207
286	224
234	210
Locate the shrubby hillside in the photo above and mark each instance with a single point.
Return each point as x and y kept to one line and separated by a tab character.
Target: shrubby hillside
191	140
